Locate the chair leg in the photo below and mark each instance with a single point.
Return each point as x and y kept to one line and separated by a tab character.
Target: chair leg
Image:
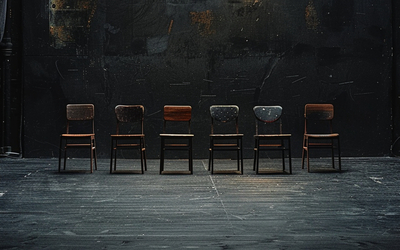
144	158
340	160
333	154
238	153
283	155
65	154
210	154
190	155
162	155
111	155
302	153
258	156
95	153
59	155
308	156
290	157
241	156
91	155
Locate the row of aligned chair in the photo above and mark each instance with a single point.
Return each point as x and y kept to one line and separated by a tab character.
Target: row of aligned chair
221	116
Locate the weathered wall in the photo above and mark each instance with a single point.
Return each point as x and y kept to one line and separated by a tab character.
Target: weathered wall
204	52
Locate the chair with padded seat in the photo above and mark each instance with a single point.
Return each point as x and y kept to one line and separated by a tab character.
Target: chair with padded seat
81	116
315	115
272	139
130	118
222	116
177	140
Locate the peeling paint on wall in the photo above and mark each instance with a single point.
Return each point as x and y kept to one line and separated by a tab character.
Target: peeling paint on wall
204	21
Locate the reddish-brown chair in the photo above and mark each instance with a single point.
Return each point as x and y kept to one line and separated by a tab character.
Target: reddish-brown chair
177	141
316	114
127	117
79	113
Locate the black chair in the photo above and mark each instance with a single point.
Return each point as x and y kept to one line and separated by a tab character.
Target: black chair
79	114
128	116
220	115
275	141
176	141
323	137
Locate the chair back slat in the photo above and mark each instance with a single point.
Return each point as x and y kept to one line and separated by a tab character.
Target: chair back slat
177	113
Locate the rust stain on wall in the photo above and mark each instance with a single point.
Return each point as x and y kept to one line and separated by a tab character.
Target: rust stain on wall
69	21
311	16
204	21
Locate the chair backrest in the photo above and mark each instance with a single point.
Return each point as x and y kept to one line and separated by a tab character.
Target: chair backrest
224	114
268	114
177	113
80	112
129	114
318	113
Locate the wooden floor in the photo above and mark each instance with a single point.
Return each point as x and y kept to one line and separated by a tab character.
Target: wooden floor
358	208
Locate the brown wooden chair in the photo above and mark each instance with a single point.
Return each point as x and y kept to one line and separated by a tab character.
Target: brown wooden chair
275	141
127	117
322	137
223	115
79	113
176	141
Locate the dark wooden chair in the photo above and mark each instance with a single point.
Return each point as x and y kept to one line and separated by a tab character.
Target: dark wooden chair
221	115
315	115
275	141
79	114
176	141
129	116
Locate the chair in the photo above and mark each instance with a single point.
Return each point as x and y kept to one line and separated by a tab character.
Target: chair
82	114
315	115
270	115
129	115
176	141
222	116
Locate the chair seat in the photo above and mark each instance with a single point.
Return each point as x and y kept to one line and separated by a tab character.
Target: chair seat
273	136
226	135
127	136
321	135
177	135
77	135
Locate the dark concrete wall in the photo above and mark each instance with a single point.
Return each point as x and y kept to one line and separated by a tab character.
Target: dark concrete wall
205	52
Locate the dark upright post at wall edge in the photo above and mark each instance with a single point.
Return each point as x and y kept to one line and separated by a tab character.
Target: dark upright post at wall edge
6	50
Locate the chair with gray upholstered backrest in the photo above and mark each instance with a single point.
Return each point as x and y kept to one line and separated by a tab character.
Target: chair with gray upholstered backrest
228	140
274	140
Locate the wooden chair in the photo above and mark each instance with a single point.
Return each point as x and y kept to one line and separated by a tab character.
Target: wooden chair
129	115
225	114
318	114
79	113
270	115
176	141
